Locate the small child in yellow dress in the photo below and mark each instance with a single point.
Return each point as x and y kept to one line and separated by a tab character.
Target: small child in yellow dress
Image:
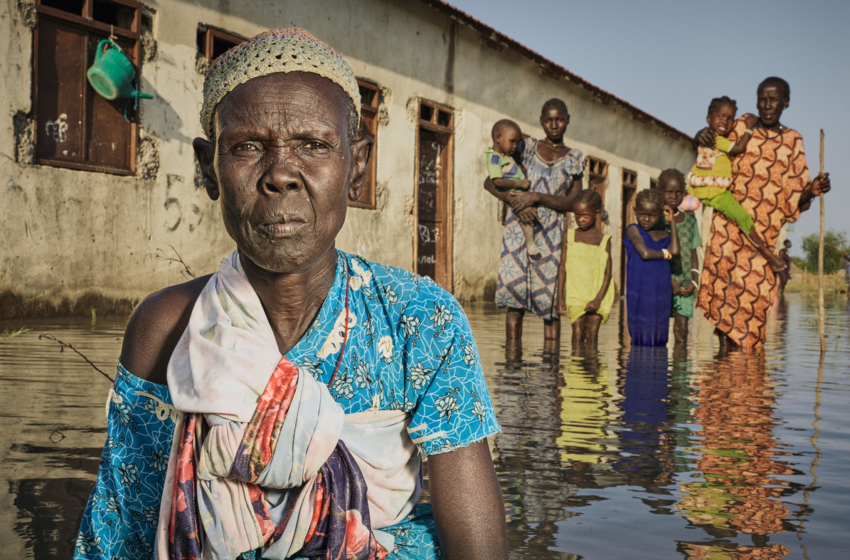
585	291
711	177
506	174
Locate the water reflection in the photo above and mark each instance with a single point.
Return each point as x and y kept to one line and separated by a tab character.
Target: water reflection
606	452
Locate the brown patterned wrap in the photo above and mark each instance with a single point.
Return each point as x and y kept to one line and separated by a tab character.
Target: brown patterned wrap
738	287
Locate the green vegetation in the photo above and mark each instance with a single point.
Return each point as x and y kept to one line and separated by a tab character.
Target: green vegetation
833	246
14	333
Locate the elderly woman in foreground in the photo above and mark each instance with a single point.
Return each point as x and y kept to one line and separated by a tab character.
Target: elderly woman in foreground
304	384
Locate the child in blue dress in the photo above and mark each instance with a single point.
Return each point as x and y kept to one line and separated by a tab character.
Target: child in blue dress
649	284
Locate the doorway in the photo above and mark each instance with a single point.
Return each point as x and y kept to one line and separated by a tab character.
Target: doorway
432	249
628	217
598	181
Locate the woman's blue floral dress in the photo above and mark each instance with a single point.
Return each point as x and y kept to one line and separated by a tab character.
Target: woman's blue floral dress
532	287
411	349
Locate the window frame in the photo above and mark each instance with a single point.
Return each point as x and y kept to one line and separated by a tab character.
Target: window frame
86	23
369	117
212	33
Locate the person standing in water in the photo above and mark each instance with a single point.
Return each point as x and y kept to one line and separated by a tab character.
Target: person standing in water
555	172
685	267
649	292
586	294
771	181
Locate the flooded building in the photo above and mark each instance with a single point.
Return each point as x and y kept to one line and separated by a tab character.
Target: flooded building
102	201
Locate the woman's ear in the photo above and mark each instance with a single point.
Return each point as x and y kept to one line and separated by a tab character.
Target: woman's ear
205	154
361	152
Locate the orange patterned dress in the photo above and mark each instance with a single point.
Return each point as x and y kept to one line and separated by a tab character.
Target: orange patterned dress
738	286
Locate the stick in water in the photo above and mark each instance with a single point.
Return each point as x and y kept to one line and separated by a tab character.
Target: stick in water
821	317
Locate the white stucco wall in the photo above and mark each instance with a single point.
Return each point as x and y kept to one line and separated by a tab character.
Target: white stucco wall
76	240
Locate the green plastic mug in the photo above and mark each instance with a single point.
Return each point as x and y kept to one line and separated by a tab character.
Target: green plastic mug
112	73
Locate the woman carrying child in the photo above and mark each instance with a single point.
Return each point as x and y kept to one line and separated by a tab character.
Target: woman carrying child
586	293
771	181
555	172
649	281
685	267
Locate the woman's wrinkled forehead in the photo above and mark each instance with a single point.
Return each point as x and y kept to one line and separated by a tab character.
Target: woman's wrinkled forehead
276	51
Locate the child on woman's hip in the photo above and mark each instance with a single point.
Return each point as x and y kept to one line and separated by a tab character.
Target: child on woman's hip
506	174
711	177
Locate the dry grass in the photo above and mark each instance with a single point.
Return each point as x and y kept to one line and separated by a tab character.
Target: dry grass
807	283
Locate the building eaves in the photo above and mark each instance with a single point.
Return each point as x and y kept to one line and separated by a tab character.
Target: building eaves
496	40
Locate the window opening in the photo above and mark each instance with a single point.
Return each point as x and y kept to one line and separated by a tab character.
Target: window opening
76	127
110	13
213	43
71	6
369	98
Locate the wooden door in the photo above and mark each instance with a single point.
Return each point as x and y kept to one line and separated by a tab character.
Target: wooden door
433	208
598	181
628	217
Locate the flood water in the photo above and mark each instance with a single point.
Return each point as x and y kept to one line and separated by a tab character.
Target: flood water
613	453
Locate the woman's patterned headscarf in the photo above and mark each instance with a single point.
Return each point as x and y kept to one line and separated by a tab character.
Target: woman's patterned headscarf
287	49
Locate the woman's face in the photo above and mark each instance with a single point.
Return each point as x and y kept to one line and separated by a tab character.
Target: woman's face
673	191
771	102
648	215
554	122
285	167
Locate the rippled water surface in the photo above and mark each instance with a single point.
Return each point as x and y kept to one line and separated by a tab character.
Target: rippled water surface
610	453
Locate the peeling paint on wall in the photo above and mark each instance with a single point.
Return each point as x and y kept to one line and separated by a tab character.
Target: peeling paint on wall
413	110
24	137
27	10
148	167
384	109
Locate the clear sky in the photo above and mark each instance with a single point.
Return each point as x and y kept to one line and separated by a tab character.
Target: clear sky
670	57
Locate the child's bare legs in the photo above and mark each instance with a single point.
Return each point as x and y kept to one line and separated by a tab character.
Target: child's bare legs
680	328
594	320
774	261
513	323
579	330
531	244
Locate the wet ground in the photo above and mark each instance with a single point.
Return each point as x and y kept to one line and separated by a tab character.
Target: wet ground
615	453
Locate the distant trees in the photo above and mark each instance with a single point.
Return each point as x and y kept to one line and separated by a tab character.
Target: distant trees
835	242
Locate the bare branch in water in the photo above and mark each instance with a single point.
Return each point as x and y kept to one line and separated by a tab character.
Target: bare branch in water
64	345
163	257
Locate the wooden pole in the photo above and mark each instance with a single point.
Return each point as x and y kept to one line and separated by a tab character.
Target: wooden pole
821	315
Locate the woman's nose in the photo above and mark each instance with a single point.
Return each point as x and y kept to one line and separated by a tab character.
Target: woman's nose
281	175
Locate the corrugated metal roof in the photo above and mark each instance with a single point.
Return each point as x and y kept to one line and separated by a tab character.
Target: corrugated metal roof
547	67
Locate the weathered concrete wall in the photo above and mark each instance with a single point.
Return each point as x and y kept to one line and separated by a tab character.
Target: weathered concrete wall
76	240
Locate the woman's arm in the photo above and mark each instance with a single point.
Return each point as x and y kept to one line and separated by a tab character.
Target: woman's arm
491	188
593	306
557	202
645	252
817	187
468	506
562	278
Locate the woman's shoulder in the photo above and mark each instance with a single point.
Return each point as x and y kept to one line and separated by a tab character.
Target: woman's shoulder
156	326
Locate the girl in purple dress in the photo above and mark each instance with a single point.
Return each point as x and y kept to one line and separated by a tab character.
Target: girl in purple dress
649	286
